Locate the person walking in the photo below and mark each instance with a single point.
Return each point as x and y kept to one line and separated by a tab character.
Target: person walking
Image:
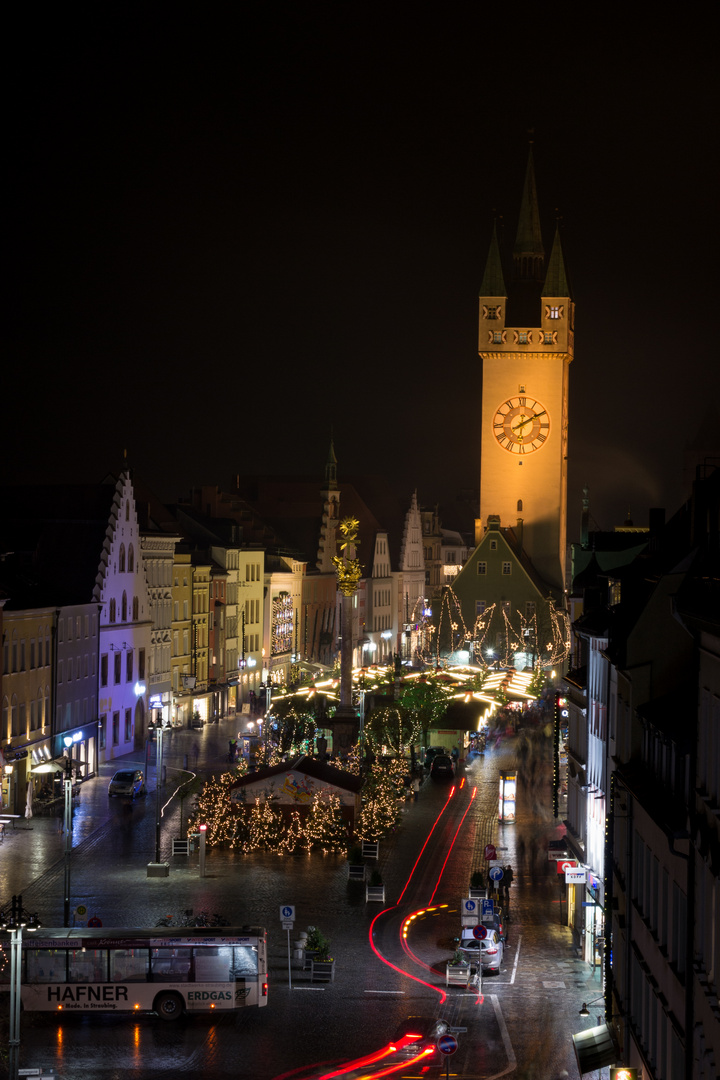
416	787
195	753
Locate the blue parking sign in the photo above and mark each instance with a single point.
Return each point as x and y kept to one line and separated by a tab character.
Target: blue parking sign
488	909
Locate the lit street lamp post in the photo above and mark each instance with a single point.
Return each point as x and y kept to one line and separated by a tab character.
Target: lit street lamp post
15	922
158	869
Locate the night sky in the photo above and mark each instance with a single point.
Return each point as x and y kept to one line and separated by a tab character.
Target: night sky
231	232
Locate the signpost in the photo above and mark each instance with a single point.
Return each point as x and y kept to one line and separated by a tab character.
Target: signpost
479	932
287	918
447	1044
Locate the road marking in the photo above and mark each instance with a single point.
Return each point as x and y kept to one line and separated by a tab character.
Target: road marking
517	957
384	991
512	1060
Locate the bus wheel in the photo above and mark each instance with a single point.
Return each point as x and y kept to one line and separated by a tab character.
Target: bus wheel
169	1006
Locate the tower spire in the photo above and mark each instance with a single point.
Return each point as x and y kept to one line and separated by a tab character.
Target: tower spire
493	282
556	283
331	467
528	252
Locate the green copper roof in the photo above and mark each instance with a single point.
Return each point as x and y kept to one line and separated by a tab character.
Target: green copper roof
493	282
556	283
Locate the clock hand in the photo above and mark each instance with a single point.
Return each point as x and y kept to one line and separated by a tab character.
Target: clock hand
527	420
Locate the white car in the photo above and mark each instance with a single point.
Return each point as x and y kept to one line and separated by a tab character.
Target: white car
127	782
490	949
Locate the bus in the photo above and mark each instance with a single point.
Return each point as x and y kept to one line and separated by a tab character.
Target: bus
166	970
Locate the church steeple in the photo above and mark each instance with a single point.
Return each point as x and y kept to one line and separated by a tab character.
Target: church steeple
327	540
528	252
331	468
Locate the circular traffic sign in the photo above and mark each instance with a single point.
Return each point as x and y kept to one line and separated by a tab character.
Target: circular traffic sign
447	1044
490	852
479	932
495	873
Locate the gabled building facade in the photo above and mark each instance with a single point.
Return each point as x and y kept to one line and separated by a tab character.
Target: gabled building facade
125	629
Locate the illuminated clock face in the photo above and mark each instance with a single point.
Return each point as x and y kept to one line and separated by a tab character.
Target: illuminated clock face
521	425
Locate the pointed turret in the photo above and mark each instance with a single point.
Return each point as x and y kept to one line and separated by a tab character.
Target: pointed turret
493	282
556	282
493	297
528	252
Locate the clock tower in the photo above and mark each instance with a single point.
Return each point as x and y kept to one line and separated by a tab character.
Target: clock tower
525	342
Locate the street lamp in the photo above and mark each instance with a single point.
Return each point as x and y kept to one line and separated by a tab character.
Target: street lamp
67	821
15	922
585	1011
159	728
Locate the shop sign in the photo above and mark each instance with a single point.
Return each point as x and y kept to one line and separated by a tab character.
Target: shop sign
576	875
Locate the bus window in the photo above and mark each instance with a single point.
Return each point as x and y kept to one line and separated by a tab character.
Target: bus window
171	965
87	965
129	965
246	960
46	965
213	964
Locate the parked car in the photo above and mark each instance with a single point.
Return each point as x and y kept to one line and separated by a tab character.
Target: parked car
442	768
431	752
127	782
490	950
419	1035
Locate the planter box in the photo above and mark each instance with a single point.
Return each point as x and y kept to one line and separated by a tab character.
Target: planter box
308	957
371	849
322	971
158	869
375	892
461	975
477	894
356	873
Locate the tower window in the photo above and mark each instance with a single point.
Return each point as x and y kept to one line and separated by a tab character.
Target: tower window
492	313
554	312
497	337
519	506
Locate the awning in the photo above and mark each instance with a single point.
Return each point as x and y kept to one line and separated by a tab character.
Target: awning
595	1048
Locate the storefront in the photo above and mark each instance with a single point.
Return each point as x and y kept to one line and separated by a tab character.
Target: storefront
81	746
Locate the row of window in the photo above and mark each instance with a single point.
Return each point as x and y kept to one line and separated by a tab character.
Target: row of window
15	714
130	559
252	611
506	568
664	911
15	656
118	666
115	729
78	667
522	337
112	609
73	626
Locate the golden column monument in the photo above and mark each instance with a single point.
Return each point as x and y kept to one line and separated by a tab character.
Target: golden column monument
349	571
